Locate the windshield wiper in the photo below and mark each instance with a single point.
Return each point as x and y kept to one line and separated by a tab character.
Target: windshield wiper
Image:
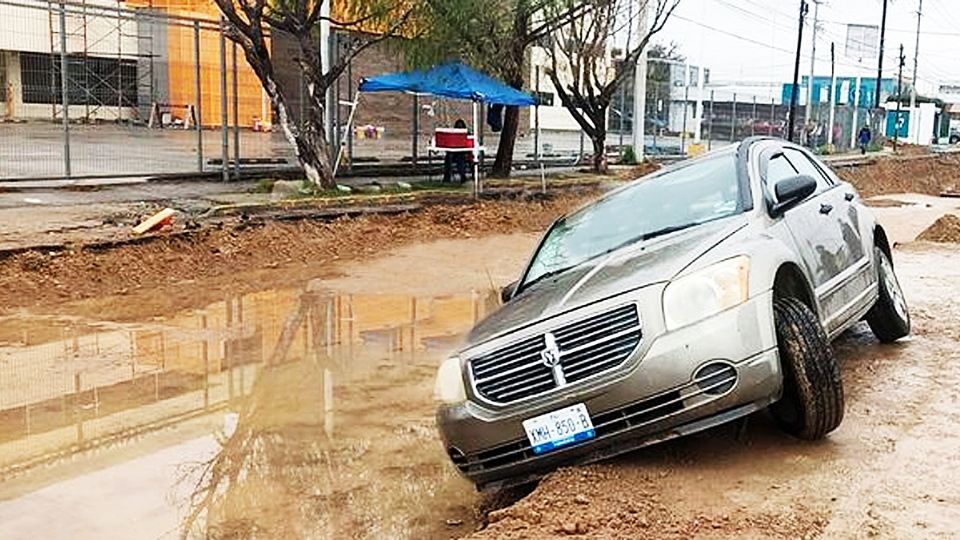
543	276
644	236
670	229
647	236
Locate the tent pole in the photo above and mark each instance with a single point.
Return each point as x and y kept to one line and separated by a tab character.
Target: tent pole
343	141
476	144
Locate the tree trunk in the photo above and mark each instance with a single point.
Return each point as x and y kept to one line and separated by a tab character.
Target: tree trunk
309	140
599	140
503	165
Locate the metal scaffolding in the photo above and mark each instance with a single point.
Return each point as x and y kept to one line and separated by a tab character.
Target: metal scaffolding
106	80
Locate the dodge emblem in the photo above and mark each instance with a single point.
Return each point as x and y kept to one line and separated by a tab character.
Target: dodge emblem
551	355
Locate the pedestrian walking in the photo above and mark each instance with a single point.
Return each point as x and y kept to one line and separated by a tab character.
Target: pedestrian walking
863	138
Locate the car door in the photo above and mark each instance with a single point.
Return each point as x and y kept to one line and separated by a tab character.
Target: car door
843	294
812	226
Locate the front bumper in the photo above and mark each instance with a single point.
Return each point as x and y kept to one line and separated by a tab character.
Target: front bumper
655	398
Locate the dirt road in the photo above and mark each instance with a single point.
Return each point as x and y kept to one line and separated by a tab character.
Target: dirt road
294	402
890	471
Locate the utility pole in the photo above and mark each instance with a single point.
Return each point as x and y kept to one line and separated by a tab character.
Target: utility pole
883	35
623	85
698	111
686	101
916	56
639	91
896	122
796	72
813	60
833	92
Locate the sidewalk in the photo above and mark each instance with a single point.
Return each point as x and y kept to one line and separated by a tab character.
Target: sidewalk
96	212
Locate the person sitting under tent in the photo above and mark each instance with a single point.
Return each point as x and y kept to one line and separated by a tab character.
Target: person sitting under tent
456	158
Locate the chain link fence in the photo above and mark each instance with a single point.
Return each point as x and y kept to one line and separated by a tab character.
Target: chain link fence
105	88
117	88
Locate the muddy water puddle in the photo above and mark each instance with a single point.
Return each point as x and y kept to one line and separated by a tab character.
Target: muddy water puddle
279	414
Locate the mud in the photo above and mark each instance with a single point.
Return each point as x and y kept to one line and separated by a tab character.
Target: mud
244	255
927	174
244	398
299	412
946	230
889	471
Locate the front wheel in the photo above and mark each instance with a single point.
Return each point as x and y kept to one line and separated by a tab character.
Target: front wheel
889	318
812	401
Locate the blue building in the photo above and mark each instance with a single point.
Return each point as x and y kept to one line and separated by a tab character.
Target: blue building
844	93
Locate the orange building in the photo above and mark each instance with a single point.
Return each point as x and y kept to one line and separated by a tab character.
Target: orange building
177	55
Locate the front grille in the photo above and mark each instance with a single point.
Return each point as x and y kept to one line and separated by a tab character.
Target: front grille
587	347
700	391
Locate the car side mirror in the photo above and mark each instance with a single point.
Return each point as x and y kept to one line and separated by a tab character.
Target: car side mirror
506	293
791	191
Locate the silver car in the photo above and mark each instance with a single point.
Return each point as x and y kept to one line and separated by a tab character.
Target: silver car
685	299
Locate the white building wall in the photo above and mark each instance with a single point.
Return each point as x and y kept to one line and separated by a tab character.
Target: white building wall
28	29
98	33
554	117
24	29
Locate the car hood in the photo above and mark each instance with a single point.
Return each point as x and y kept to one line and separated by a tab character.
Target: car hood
643	263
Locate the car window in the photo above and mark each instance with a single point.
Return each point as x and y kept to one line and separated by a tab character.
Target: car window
699	191
778	168
803	164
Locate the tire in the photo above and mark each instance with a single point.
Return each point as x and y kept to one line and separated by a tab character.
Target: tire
812	401
889	318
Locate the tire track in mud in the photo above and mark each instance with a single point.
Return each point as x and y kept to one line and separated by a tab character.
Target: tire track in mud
890	471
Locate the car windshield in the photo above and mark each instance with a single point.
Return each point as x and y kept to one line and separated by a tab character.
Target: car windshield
704	190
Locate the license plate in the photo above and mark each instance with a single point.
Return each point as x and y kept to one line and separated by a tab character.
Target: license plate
559	428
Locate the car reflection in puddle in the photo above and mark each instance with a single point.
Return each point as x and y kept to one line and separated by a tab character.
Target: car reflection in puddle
320	407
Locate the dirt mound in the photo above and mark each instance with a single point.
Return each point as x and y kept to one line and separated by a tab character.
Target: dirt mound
223	254
922	174
946	229
603	501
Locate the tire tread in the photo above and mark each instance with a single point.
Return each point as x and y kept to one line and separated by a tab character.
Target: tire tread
809	366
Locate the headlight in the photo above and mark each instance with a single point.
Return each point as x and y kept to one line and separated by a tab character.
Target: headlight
449	385
701	294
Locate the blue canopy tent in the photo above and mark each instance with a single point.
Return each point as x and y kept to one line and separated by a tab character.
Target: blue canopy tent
452	81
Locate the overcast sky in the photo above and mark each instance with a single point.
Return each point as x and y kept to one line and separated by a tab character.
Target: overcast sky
754	40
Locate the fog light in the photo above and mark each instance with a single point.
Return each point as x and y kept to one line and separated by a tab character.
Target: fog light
716	378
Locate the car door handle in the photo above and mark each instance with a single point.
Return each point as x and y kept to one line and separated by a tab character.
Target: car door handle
848	196
826	208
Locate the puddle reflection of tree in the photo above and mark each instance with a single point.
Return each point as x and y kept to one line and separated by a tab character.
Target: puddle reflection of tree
276	463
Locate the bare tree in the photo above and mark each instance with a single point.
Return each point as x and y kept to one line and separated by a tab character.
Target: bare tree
250	24
581	70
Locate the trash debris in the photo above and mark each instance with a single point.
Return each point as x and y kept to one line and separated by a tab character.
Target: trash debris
156	221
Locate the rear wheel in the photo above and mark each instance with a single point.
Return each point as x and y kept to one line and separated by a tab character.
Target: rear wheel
812	401
889	318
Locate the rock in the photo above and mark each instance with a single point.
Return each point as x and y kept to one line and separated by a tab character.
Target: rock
404	185
581	499
454	522
582	527
286	188
497	515
344	189
569	527
369	188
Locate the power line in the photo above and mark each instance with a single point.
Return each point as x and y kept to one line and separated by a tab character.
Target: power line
758	43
